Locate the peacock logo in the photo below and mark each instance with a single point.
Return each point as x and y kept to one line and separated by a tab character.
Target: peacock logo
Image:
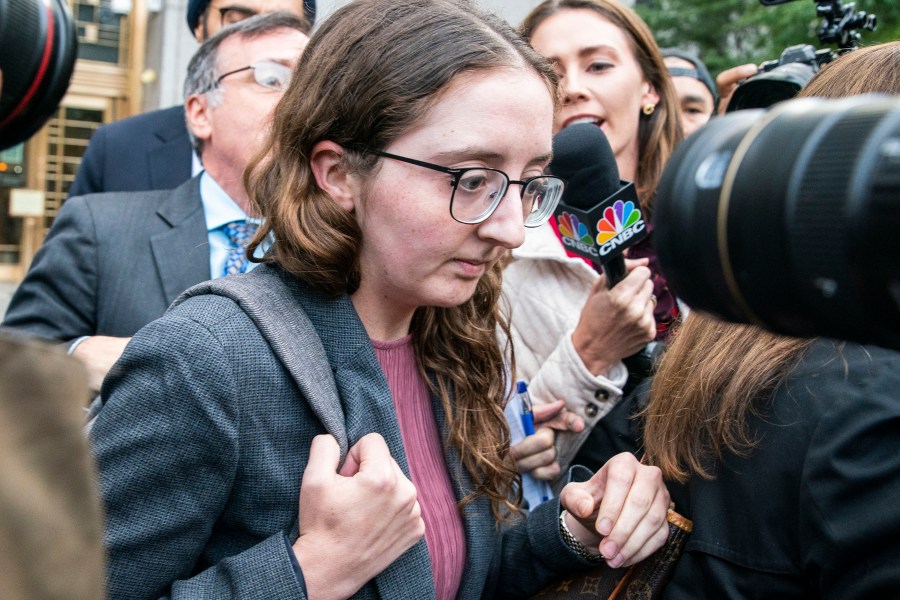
616	219
571	227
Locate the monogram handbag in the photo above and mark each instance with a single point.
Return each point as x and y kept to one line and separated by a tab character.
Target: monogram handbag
645	580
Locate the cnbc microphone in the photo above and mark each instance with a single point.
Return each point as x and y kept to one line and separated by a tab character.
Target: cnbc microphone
599	215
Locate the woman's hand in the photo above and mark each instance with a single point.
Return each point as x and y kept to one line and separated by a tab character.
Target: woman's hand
617	322
356	522
621	510
537	453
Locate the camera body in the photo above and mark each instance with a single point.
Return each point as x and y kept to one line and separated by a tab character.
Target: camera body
781	79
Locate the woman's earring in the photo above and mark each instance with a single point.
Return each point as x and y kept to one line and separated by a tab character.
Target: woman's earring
648	109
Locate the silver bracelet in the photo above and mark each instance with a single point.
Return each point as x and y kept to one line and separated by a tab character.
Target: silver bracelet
72	345
573	543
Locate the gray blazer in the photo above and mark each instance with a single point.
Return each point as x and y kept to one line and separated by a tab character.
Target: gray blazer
203	441
112	263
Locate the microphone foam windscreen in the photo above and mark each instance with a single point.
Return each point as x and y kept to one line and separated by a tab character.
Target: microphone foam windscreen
583	158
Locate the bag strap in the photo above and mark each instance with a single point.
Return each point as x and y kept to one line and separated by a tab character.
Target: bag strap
264	296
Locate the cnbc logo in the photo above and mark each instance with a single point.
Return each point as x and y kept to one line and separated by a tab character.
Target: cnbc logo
575	234
620	223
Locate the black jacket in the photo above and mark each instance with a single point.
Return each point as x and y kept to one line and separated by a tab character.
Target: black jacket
814	510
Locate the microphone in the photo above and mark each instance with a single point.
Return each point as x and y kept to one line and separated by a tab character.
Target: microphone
599	215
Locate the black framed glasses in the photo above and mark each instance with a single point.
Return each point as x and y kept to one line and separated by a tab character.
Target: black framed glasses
477	191
269	74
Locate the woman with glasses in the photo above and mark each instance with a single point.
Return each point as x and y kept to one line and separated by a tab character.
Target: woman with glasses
572	332
405	159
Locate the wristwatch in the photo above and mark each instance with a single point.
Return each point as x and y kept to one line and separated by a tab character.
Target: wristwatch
573	543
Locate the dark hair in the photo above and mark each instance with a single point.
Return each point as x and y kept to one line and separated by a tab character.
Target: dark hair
699	72
370	73
203	69
659	133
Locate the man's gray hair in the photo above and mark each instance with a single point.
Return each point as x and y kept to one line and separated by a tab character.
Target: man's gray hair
203	71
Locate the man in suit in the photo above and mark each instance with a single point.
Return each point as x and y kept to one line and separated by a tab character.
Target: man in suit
152	151
114	262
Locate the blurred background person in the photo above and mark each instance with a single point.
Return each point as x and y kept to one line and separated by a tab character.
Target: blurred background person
571	333
696	90
114	262
153	151
784	451
51	521
870	70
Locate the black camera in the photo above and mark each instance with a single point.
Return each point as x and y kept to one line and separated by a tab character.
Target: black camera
781	79
38	46
789	218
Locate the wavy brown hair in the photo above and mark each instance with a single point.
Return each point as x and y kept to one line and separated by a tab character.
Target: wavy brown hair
874	69
709	381
659	133
370	73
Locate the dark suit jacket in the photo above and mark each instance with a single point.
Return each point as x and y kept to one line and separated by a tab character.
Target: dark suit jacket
151	151
112	263
202	444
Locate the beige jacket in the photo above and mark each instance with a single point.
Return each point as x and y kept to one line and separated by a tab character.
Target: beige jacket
545	291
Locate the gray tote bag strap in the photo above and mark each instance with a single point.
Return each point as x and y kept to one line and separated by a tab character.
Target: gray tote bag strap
268	302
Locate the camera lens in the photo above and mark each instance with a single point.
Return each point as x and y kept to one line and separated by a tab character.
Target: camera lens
38	45
789	218
765	89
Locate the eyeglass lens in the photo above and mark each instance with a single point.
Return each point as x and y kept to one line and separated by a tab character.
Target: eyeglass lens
272	75
479	192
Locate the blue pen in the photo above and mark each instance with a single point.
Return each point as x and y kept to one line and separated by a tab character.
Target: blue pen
528	425
525	404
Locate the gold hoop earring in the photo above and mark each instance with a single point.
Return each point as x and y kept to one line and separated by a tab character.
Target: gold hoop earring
648	109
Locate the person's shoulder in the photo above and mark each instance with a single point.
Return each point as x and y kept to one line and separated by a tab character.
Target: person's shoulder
847	359
211	311
112	205
843	379
164	119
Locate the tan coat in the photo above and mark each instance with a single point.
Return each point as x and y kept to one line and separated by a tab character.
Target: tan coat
50	519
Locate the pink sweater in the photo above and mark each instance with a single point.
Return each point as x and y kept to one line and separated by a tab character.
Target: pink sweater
444	532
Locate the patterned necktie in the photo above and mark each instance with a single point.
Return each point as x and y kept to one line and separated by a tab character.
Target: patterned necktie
240	233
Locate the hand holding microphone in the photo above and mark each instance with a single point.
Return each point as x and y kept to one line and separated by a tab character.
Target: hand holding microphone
616	322
598	218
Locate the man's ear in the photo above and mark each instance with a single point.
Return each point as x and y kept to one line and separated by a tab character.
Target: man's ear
197	115
327	164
